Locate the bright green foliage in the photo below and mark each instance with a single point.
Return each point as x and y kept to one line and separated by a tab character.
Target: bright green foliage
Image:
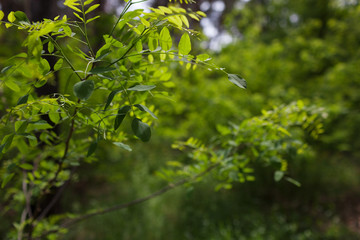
165	39
270	140
46	138
184	44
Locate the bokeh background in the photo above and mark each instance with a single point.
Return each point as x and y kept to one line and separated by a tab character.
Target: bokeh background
287	51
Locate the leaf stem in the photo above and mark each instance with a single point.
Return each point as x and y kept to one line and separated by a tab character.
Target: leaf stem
63	54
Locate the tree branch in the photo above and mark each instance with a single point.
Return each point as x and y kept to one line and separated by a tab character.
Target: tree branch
132	203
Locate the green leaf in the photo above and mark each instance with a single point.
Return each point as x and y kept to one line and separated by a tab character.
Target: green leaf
54	117
165	39
44	66
121	115
78	16
88	2
92	19
111	97
141	130
92	8
185	20
203	57
141	88
99	70
39	83
22	100
124	146
84	89
145	109
92	148
138	46
20	126
293	181
7	140
21	16
278	175
1	15
237	80
12	85
67	30
71	4
153	41
5	69
26	166
11	17
184	44
7	179
50	47
41	124
58	64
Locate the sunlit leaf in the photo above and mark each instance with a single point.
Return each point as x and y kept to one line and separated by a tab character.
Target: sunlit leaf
165	39
1	15
58	64
92	19
184	44
12	85
92	8
11	17
26	166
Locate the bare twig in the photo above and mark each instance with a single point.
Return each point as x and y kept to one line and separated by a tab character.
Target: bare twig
163	190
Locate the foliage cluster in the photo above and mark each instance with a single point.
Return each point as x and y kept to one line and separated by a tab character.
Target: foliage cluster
109	93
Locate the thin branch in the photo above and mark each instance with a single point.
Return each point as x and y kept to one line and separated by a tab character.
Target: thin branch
121	15
56	197
132	203
27	209
58	47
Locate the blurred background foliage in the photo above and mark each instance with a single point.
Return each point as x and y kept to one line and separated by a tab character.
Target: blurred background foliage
287	51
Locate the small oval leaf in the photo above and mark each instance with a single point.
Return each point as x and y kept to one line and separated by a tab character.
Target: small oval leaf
184	44
84	89
121	115
58	64
237	80
141	88
141	130
26	166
